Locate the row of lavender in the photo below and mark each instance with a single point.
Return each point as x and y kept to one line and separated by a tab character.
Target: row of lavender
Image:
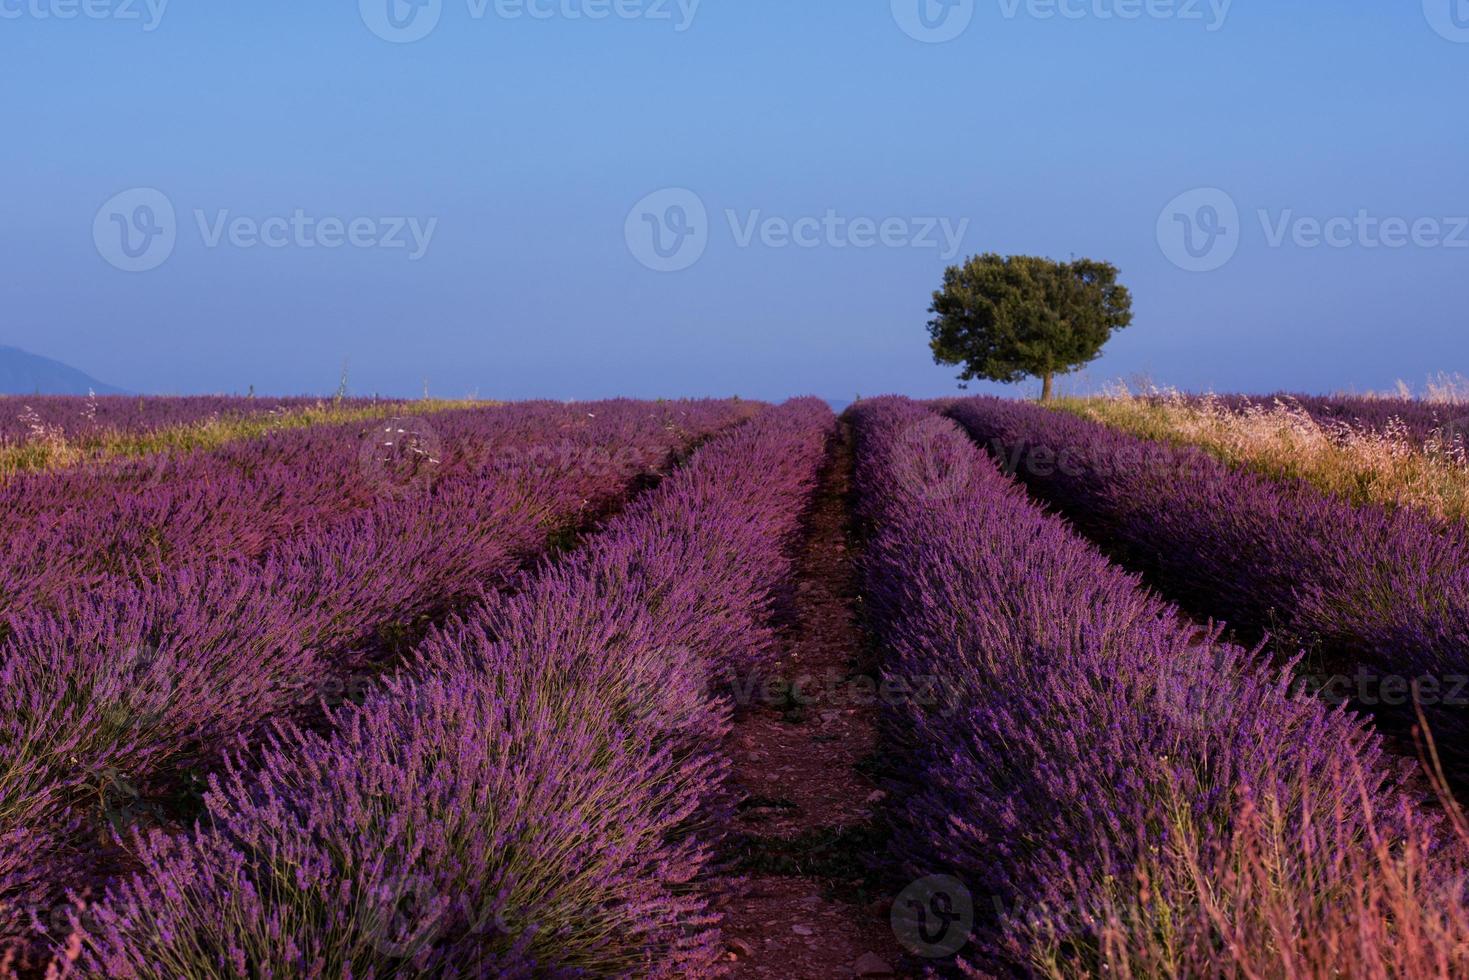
540	794
32	417
75	525
1380	598
1089	783
128	686
72	528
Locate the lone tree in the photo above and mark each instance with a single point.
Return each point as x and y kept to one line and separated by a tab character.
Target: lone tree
1009	318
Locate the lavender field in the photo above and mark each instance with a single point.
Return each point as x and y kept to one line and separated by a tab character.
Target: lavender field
778	491
971	688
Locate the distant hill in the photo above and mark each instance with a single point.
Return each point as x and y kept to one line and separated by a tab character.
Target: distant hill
24	373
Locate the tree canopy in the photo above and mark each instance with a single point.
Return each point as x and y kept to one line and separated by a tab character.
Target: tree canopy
1006	318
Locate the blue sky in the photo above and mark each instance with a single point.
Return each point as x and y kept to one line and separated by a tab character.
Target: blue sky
829	146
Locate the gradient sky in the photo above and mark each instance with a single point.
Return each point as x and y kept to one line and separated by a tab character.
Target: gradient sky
530	140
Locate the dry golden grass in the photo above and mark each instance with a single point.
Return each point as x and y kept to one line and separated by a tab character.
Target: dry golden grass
1283	441
1442	388
52	449
1278	901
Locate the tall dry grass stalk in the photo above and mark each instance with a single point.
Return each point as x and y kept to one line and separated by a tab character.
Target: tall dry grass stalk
1276	902
1447	389
1282	440
1442	388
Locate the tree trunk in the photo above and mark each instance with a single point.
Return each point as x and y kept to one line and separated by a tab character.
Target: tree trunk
1046	385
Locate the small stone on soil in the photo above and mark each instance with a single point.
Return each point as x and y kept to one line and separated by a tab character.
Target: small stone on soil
872	965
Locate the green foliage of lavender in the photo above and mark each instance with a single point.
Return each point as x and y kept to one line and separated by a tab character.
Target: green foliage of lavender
540	794
117	688
1366	588
1086	728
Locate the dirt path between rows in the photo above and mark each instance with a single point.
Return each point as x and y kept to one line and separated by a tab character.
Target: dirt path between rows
811	907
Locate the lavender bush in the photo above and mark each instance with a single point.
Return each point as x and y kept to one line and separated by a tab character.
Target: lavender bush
1380	597
80	527
538	795
1089	738
114	699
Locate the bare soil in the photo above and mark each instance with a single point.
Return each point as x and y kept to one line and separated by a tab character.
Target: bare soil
813	902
